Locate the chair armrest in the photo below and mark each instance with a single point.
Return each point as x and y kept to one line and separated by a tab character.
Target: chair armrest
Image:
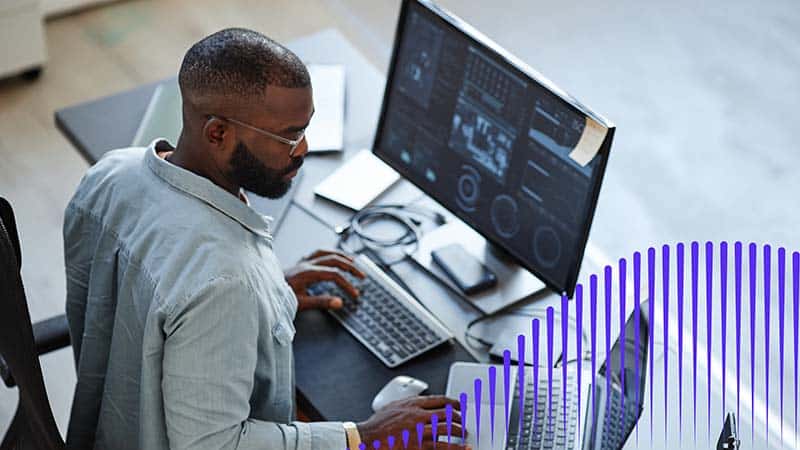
51	334
48	335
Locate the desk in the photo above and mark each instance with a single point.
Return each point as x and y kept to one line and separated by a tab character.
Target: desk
331	365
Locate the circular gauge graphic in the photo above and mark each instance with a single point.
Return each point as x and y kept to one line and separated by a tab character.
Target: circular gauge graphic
505	216
546	246
469	188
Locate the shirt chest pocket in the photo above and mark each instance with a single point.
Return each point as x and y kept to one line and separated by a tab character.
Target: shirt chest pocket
283	332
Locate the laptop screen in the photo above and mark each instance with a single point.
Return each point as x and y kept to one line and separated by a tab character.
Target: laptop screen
626	379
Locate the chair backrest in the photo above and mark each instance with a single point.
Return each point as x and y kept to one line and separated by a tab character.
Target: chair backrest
33	426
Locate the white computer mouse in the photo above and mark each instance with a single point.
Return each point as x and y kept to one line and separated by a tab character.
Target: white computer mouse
398	388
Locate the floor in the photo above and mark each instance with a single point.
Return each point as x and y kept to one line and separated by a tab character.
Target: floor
705	97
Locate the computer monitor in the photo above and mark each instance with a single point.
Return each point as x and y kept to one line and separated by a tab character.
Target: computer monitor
492	141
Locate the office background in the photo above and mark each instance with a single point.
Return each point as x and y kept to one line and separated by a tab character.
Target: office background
705	98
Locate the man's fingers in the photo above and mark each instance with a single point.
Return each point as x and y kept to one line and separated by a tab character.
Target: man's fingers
441	430
316	274
305	302
338	262
320	253
334	275
442	415
434	402
441	439
443	446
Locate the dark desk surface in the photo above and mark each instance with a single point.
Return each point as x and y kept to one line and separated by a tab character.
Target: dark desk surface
336	376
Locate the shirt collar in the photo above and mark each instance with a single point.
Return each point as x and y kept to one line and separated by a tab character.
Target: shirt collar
207	192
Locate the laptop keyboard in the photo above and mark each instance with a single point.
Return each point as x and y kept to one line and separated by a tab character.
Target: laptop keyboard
382	318
619	420
543	425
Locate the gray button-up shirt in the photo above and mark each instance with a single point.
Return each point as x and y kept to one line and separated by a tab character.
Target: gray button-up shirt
180	317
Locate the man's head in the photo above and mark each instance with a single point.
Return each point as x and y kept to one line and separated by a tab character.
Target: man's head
234	83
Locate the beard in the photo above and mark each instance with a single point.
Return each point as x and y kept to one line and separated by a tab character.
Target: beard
253	176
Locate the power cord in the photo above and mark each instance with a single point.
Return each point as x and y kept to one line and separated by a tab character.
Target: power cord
532	313
406	215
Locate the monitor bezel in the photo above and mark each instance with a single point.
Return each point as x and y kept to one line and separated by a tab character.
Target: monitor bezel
483	41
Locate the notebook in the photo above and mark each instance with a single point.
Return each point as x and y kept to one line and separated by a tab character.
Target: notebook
358	181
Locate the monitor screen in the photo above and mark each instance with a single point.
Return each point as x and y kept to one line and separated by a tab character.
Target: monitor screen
485	137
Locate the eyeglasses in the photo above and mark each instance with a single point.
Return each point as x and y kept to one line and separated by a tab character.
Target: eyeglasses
293	144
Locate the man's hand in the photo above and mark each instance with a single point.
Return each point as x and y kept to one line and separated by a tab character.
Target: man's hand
401	415
323	265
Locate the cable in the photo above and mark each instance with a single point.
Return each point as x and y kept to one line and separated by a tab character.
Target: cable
406	215
535	312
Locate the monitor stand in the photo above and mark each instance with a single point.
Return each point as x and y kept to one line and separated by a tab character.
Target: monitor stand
514	283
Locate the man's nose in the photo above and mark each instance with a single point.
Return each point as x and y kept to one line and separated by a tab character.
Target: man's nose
302	149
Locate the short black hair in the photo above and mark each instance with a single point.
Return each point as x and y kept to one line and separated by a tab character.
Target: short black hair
239	62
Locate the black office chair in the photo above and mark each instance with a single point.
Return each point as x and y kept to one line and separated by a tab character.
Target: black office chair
21	343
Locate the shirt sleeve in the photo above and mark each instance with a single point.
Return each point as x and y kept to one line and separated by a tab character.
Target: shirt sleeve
77	261
209	363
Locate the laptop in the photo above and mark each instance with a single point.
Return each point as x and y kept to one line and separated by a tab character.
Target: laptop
618	402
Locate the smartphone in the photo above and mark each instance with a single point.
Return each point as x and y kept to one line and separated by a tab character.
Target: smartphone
463	269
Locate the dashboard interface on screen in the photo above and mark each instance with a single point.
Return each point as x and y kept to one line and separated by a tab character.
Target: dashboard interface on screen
490	143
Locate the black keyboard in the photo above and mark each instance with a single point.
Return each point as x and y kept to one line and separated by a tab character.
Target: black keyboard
384	318
543	425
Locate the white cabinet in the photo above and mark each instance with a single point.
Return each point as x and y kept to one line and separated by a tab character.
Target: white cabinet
22	46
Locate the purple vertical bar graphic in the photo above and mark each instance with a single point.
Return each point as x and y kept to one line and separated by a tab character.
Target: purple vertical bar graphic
622	268
420	433
565	353
679	256
752	285
593	337
781	300
535	361
723	317
448	415
492	386
709	333
434	428
651	294
578	342
637	284
463	410
607	295
695	266
362	446
405	436
390	442
477	400
665	299
550	325
376	444
521	376
767	299
506	384
796	322
737	268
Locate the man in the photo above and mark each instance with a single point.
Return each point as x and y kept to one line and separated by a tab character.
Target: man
179	313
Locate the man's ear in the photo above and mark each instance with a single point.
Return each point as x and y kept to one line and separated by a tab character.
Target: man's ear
215	131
